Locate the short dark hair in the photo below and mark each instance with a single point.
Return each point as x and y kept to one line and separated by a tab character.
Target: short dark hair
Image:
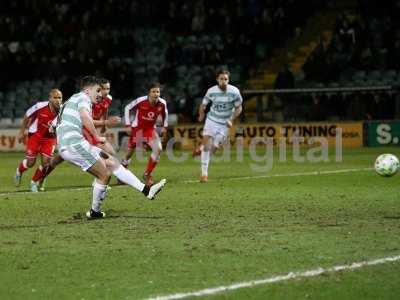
222	71
104	81
153	85
87	81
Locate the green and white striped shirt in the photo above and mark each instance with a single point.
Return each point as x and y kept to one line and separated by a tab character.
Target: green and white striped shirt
69	129
222	103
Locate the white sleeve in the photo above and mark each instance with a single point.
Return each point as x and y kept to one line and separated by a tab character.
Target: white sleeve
33	109
84	104
207	98
165	116
238	100
128	109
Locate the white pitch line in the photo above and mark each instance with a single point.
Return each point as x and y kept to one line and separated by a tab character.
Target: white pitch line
312	173
55	190
278	278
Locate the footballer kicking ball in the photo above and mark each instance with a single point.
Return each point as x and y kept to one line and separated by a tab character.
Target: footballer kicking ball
387	165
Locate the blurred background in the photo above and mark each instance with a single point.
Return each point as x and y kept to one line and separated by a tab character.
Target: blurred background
293	60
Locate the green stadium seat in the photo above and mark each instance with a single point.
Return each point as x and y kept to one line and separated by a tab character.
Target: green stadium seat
19	113
374	75
7	112
389	74
333	85
17	122
359	75
300	76
359	83
261	50
5	121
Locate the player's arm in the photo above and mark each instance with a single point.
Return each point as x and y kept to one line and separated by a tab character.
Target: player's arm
237	111
203	106
27	121
100	124
202	110
164	116
53	125
25	124
110	122
103	118
87	122
127	113
105	122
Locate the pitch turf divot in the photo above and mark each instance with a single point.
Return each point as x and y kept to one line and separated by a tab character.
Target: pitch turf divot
313	173
278	278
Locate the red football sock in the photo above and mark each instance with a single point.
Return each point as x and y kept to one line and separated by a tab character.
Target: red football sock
46	171
23	166
151	165
38	174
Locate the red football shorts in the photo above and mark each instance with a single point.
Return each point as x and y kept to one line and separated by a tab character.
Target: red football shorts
140	136
37	145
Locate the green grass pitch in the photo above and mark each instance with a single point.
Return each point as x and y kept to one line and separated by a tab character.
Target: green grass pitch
196	236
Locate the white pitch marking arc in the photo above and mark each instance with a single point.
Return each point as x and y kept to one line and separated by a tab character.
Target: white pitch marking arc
278	278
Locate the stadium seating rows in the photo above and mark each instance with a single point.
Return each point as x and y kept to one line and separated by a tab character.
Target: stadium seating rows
182	50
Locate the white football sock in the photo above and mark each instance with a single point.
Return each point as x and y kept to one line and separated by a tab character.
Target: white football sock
129	178
154	156
24	164
205	159
98	193
104	194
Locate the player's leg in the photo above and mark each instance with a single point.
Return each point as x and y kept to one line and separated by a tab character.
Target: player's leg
101	173
131	148
88	158
29	161
47	147
39	173
209	132
197	150
156	148
129	178
128	155
54	162
127	158
22	167
107	147
205	156
214	135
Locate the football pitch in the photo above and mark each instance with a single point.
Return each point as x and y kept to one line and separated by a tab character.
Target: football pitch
221	237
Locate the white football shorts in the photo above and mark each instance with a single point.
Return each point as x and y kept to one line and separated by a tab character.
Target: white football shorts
218	132
83	154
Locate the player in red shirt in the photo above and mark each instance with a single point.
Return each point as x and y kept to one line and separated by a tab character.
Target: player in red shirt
41	140
100	117
145	111
101	122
